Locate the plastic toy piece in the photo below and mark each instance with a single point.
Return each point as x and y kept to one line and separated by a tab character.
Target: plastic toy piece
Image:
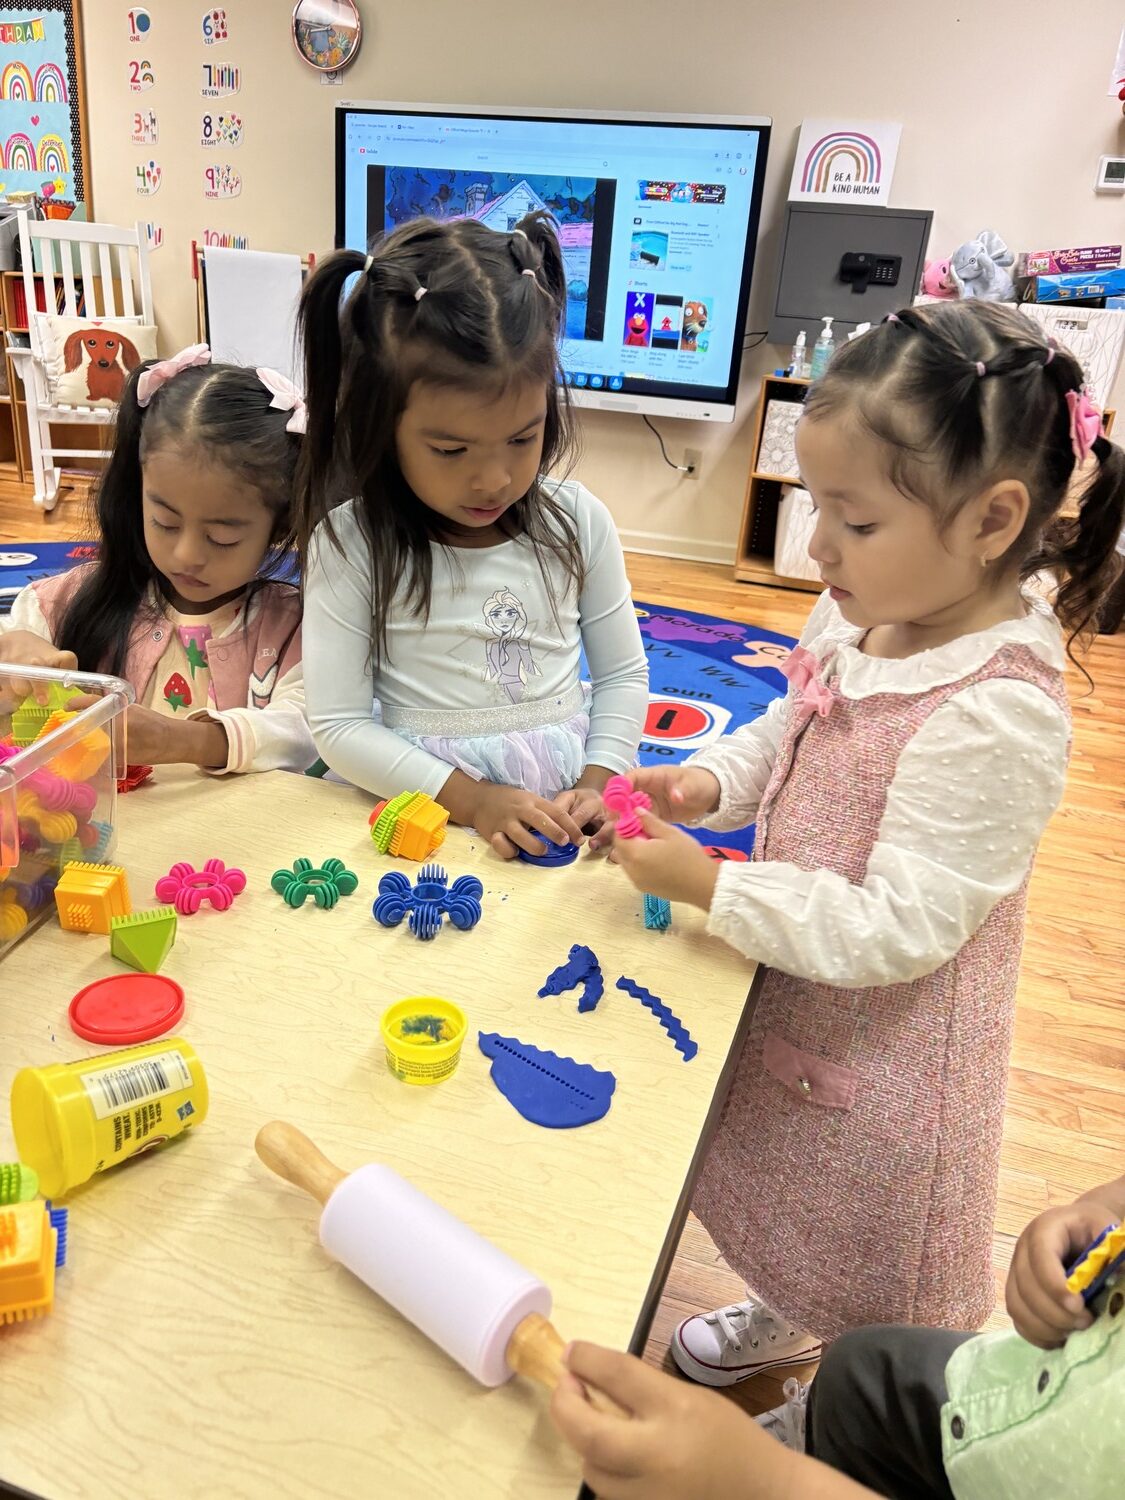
658	913
27	1262
54	827
89	896
325	883
581	968
681	1037
82	760
13	917
619	796
28	721
126	1009
553	857
429	900
133	777
143	940
59	1218
1099	1263
547	1089
18	1184
411	825
188	888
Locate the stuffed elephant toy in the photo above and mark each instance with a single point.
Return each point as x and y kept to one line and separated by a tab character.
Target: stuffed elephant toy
979	268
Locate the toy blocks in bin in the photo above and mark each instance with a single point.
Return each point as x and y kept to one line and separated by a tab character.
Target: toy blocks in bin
58	787
28	1242
411	825
89	897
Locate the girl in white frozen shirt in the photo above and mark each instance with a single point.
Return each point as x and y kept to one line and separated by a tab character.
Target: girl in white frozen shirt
900	791
457	586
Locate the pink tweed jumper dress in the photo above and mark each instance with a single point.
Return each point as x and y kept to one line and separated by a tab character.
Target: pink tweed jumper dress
853	1177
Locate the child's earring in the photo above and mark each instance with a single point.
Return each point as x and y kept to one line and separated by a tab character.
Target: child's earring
984	562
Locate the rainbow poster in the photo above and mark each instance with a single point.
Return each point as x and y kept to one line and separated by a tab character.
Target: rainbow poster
42	112
845	162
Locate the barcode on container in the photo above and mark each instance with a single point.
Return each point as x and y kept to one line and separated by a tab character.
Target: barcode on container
113	1089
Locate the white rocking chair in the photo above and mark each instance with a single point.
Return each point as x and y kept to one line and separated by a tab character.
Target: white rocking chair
114	283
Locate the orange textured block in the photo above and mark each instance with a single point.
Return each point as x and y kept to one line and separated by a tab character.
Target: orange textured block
80	761
88	897
27	1262
420	828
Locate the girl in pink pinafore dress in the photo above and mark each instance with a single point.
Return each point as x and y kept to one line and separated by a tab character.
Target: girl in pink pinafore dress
900	791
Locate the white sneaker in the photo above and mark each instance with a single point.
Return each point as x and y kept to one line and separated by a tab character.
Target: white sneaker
724	1347
787	1422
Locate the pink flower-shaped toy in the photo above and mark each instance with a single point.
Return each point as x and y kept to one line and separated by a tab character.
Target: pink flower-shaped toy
187	888
626	803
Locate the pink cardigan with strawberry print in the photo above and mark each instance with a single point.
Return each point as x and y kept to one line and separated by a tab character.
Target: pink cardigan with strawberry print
255	667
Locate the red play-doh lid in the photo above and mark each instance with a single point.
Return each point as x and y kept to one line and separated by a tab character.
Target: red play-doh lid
126	1008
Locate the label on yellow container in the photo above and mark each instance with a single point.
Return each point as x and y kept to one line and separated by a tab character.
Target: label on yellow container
133	1083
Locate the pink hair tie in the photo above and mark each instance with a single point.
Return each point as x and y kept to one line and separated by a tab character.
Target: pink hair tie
165	369
1085	424
1050	356
892	318
286	397
981	368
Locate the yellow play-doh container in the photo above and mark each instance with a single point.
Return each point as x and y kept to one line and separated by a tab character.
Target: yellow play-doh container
72	1120
422	1037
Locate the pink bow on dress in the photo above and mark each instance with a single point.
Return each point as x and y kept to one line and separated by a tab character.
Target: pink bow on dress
1085	424
160	373
814	696
286	397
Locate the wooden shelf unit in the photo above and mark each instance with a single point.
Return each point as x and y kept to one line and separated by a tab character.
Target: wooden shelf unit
754	557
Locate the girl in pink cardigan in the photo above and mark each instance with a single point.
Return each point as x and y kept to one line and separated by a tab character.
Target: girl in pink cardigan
193	509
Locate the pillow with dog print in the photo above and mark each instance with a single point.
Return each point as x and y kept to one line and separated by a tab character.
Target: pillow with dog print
88	360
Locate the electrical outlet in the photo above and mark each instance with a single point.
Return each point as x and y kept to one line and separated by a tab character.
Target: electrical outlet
694	458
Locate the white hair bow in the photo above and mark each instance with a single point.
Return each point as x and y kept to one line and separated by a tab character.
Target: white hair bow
286	397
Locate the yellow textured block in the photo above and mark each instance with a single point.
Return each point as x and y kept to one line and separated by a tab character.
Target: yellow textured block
80	761
88	897
420	828
27	1262
54	827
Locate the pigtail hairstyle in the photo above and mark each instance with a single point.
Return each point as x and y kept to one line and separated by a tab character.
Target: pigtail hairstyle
449	303
964	394
222	415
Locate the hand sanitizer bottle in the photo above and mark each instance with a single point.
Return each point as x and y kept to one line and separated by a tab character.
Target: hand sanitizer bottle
823	351
797	358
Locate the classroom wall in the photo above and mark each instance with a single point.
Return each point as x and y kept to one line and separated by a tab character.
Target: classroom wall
1004	109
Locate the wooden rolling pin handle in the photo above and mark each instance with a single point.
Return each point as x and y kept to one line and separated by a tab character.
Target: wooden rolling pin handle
290	1153
535	1350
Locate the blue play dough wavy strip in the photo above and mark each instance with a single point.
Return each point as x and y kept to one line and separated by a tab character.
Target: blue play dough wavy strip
547	1089
681	1037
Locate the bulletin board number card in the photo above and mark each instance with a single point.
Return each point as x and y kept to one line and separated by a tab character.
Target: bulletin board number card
43	130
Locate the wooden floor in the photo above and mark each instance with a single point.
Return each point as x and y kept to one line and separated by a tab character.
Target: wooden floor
1065	1126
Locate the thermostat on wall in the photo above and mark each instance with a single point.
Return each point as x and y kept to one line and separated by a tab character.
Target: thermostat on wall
1111	175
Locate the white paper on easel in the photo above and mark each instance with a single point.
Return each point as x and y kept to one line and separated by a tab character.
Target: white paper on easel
1117	77
252	298
845	161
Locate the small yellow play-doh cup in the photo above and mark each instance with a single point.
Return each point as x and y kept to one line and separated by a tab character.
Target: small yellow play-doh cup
422	1036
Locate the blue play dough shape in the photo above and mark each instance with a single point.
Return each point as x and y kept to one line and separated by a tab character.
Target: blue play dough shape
581	968
553	855
545	1088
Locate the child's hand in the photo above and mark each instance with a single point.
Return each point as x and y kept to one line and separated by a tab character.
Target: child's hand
1041	1308
584	805
153	739
680	1443
668	863
510	818
24	648
680	794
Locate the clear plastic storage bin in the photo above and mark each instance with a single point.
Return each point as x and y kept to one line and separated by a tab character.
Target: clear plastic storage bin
58	785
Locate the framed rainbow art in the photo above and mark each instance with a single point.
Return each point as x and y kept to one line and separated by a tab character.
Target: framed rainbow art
845	162
43	132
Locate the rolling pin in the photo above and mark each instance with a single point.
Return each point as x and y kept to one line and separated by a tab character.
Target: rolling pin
486	1311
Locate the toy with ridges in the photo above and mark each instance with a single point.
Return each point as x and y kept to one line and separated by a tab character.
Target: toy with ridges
188	888
28	1251
581	968
626	804
89	896
429	900
681	1037
325	883
547	1089
144	939
658	913
477	1304
1100	1262
18	1184
411	825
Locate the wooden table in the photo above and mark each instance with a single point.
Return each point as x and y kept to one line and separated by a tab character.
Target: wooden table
202	1344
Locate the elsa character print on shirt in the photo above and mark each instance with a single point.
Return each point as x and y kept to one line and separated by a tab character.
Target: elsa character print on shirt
508	658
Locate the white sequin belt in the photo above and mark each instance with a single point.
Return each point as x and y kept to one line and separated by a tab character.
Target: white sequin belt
505	718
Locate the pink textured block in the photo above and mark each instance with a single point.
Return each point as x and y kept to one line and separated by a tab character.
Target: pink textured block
187	889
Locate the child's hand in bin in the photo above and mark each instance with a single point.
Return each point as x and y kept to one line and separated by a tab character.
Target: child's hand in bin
680	794
153	739
668	863
675	1442
1043	1310
22	648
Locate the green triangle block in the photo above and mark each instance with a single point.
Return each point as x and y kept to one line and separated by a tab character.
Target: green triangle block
144	939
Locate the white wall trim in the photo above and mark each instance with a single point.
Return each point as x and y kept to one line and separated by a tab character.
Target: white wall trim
688	548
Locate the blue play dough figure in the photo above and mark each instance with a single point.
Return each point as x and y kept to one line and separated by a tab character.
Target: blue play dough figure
545	1088
581	968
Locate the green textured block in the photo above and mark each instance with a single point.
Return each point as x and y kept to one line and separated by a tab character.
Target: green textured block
143	939
18	1184
385	823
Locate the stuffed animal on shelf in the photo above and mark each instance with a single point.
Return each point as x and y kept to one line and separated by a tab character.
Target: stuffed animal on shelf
938	279
979	267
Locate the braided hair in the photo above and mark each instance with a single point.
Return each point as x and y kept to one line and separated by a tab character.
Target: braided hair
451	303
965	394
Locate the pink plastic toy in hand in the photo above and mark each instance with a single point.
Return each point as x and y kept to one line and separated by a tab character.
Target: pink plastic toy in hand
187	888
626	803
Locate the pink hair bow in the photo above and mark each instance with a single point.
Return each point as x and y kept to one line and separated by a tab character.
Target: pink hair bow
286	397
1085	424
814	696
162	372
